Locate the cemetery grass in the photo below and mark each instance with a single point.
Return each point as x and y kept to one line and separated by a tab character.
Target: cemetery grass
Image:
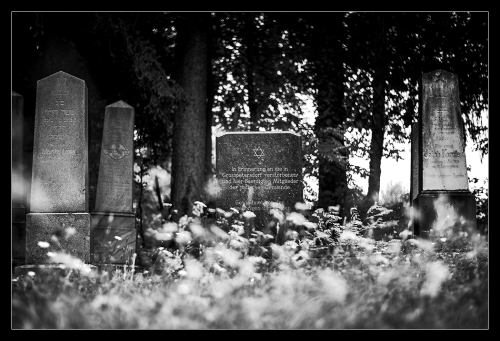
212	277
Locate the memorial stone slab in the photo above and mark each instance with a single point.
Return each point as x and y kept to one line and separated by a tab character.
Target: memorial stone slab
113	234
60	159
17	183
59	193
255	169
441	164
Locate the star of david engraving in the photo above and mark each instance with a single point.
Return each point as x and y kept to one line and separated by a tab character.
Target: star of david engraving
258	152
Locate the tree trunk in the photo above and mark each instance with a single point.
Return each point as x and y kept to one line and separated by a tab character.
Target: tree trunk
378	113
190	119
332	154
329	79
250	69
157	182
211	91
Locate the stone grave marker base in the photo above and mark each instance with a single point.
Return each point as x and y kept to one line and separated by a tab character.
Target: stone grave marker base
18	236
48	269
113	238
65	232
111	268
462	202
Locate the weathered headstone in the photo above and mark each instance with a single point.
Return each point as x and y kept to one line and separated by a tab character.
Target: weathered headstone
18	188
255	169
442	169
113	234
59	191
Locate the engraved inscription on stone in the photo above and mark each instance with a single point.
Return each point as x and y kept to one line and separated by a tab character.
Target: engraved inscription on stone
114	186
255	169
443	148
60	159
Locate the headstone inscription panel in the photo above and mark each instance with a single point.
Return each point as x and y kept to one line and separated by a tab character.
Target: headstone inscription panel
443	143
17	184
442	169
59	193
113	235
255	169
60	159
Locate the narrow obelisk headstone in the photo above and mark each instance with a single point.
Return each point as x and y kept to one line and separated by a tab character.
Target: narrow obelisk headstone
59	215
255	169
18	188
442	169
113	234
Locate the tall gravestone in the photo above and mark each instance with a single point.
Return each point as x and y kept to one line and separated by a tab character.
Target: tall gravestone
113	234
441	164
59	191
17	183
255	169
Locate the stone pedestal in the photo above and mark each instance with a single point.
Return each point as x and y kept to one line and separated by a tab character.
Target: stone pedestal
68	232
441	213
18	194
41	270
113	238
18	236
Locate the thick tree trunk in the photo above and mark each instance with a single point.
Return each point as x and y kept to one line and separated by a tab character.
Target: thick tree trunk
190	120
378	114
250	69
329	79
377	143
332	154
210	114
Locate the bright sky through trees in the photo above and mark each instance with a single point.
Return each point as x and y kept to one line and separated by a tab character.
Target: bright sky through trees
399	171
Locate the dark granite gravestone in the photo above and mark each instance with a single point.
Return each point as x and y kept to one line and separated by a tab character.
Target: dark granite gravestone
113	234
59	192
442	169
17	184
255	169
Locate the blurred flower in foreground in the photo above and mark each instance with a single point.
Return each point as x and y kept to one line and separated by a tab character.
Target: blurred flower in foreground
437	273
69	261
43	244
248	214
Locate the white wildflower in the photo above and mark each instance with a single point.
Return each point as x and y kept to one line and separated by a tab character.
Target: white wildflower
248	214
437	273
43	244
